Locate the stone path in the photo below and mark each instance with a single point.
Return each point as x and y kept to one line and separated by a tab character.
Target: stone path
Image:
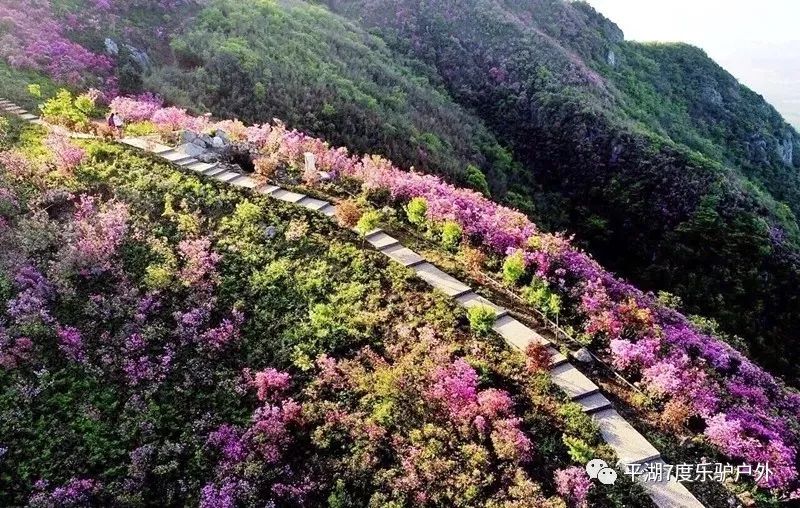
629	445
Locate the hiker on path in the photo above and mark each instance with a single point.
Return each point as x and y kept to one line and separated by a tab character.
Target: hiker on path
115	123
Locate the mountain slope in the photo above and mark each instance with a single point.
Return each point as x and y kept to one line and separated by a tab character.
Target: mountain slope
665	168
318	72
659	187
167	341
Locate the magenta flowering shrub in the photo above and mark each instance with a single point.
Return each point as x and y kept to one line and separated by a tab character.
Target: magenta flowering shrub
136	109
34	39
95	234
31	305
66	155
74	494
71	343
199	260
270	383
573	484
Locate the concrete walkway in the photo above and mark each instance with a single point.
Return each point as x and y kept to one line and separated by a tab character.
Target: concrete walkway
628	444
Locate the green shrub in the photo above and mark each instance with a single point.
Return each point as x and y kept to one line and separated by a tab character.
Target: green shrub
451	235
540	296
416	211
4	130
369	221
71	112
577	423
514	268
140	128
578	449
481	319
477	180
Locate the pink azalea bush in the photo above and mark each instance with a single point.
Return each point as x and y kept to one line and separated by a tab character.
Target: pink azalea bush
136	109
96	233
66	155
34	39
573	484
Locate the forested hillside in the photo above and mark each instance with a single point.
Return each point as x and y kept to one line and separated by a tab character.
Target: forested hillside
667	169
316	71
169	340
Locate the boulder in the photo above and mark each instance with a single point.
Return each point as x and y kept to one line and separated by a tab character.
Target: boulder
188	136
786	150
217	142
199	142
270	231
192	149
208	157
111	47
223	136
139	57
205	138
583	356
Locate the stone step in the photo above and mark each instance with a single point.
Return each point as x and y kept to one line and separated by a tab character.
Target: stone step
440	280
594	403
244	181
28	116
329	210
403	255
472	299
629	445
288	196
572	381
669	494
268	189
200	166
158	148
381	240
227	176
517	334
214	170
312	203
557	358
174	156
186	162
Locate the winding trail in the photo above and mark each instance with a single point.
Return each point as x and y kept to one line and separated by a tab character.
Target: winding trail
630	446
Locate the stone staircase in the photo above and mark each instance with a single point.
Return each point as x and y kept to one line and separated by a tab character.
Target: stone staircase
10	107
630	446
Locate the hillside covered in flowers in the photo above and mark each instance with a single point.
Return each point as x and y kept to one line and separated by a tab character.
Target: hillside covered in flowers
744	412
578	128
168	341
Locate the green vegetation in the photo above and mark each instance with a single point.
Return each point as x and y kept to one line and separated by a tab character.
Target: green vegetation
481	319
416	210
514	268
324	75
451	235
167	340
14	86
